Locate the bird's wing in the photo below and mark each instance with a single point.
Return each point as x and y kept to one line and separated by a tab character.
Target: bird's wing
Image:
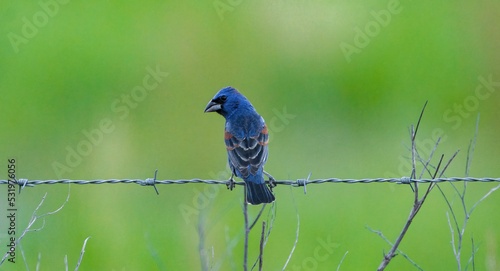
248	154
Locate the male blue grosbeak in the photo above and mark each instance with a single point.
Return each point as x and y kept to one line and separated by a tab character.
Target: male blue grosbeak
246	137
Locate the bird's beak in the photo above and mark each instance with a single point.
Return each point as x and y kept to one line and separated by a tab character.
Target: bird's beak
212	106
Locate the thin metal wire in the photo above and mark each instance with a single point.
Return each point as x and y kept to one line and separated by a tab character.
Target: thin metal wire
297	183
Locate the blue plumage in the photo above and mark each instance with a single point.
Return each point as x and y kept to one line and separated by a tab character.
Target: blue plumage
246	137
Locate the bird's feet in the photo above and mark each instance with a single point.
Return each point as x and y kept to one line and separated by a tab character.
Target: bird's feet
230	183
272	181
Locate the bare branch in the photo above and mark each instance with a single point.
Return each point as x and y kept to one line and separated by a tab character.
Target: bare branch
457	256
297	237
414	168
40	259
431	186
470	154
81	254
342	260
449	207
24	257
34	218
247	229
449	162
419	119
484	197
262	244
258	215
295	244
420	159
261	247
379	233
417	203
266	236
428	160
473	254
271	213
461	195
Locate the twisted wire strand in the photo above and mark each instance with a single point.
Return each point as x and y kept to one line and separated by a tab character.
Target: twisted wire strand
297	183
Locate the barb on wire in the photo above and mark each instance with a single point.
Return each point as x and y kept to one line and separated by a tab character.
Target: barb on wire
152	182
302	182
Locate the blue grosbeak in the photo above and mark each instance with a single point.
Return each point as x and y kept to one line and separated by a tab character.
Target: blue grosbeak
246	137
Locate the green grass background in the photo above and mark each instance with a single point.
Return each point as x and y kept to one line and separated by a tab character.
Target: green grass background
349	121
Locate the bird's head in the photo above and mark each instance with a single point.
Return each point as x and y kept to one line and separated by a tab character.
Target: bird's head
226	101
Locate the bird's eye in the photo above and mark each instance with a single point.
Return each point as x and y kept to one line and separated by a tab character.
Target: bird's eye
223	98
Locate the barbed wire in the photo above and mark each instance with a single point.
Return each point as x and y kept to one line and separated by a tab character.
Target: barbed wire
299	182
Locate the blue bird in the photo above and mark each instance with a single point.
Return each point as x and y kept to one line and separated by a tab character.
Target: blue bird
246	137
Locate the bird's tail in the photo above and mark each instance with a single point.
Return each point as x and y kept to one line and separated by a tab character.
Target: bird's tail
258	193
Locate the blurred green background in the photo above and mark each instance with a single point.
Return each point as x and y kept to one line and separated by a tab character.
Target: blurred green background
68	68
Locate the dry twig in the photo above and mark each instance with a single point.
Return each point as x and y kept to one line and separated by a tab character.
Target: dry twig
34	218
261	254
297	236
